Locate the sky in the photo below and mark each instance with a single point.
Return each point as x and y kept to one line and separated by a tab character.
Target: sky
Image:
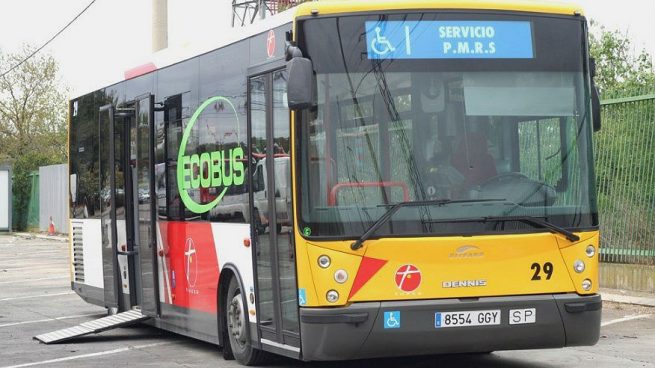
113	36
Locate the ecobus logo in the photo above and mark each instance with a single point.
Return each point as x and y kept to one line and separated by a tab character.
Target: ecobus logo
208	169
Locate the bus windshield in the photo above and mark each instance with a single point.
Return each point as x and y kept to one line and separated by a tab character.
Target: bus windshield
499	109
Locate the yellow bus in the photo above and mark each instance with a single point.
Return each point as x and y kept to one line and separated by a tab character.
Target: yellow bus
397	178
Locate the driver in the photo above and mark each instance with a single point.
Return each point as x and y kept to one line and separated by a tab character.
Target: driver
443	181
472	158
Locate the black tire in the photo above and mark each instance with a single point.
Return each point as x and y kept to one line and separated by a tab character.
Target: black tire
237	327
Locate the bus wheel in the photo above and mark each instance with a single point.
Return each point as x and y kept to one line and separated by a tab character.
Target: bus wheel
237	327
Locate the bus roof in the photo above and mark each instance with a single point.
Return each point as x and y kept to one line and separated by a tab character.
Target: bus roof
176	54
173	55
354	6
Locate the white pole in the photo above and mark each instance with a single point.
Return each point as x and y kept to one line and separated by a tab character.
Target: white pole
159	25
262	9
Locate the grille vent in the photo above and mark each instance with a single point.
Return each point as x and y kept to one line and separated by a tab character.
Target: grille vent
78	258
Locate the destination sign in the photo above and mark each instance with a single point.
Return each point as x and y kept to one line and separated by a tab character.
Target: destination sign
449	40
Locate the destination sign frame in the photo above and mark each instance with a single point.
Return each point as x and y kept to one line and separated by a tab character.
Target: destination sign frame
449	39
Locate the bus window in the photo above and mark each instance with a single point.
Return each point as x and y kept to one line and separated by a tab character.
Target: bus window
540	150
173	124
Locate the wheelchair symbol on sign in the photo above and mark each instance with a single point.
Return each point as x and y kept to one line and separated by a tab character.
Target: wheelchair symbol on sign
392	319
302	297
392	322
380	44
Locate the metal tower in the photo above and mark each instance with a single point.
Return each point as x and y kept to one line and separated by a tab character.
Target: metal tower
245	12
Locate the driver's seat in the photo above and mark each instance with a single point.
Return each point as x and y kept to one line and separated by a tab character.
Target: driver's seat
472	159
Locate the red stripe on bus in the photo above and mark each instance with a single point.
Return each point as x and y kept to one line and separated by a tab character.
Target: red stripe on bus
193	265
139	70
367	269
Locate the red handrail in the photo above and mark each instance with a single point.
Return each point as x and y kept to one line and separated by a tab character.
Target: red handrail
332	199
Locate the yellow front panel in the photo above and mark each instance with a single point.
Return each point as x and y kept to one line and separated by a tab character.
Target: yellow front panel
448	267
571	253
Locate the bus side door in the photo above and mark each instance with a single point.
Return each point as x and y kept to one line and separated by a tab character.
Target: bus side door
270	148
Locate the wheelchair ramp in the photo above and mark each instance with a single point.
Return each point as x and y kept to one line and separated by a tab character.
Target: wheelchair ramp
98	325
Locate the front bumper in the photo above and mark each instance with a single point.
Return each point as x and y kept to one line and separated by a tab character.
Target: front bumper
358	331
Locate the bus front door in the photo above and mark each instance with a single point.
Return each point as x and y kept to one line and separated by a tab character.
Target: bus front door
271	211
128	229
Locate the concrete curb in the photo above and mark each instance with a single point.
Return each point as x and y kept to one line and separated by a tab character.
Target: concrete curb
627	299
59	238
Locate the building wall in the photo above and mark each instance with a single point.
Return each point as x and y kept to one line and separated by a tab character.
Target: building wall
5	198
53	197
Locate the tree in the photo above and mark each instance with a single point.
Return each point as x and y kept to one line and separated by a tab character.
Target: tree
32	107
33	111
618	70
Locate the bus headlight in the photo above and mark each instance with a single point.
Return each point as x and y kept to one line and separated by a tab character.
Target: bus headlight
578	266
590	251
332	296
324	261
586	284
341	276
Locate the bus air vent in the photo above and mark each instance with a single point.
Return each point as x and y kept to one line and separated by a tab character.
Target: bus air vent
78	259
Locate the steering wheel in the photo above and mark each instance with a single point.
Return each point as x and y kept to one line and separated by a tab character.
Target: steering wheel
519	188
503	178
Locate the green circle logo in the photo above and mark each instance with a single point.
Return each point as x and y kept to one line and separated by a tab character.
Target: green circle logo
217	169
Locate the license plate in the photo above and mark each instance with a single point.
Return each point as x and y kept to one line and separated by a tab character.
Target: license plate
467	318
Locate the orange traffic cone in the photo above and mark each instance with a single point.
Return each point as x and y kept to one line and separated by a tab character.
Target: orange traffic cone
51	227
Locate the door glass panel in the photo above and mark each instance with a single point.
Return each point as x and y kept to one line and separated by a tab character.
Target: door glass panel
119	181
143	199
121	174
104	123
131	207
282	168
260	200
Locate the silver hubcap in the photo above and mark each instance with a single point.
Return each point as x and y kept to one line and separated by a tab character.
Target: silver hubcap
236	319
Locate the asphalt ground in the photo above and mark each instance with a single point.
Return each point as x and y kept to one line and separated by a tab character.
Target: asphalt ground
35	298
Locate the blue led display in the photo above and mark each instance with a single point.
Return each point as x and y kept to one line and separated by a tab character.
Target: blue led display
449	40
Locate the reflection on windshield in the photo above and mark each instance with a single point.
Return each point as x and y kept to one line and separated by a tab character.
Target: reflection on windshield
380	138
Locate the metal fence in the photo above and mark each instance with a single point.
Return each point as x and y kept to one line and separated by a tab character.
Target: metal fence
26	217
625	171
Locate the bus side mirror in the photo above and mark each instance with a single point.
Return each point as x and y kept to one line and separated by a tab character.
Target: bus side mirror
595	97
595	107
300	86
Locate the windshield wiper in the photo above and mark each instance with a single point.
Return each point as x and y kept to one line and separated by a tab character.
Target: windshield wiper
387	215
539	222
525	219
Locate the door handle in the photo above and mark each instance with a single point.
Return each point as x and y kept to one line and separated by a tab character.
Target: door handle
123	251
127	252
